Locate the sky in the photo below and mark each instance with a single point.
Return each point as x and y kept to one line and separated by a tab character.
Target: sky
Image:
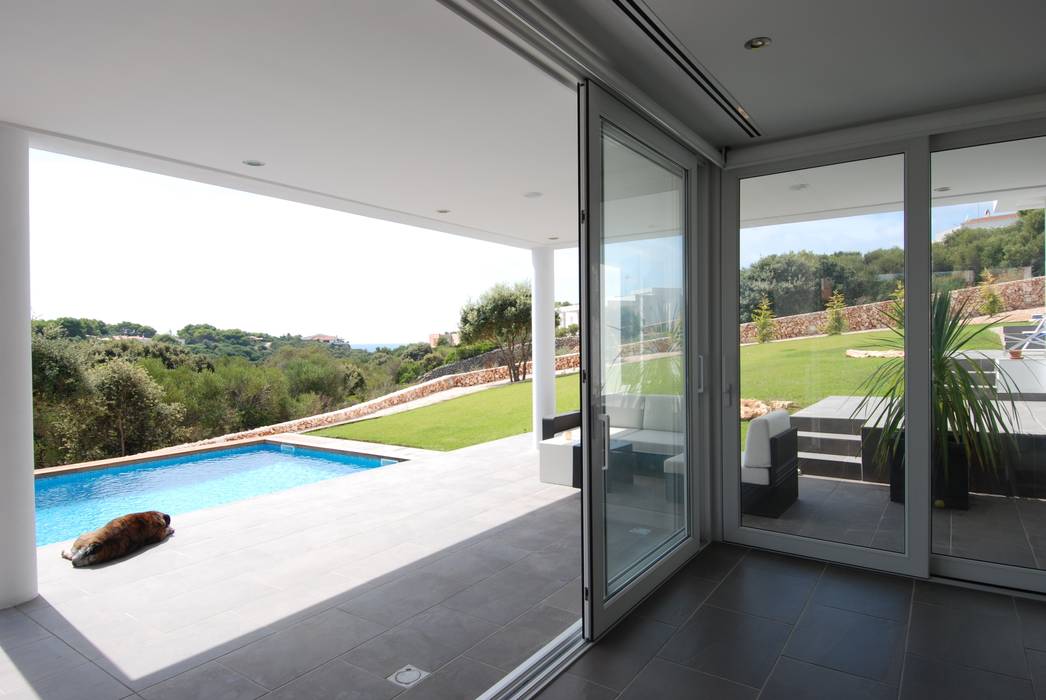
120	244
852	233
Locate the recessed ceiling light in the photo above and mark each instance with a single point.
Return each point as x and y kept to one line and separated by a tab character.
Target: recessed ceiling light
532	195
443	211
942	189
254	163
553	238
757	42
798	186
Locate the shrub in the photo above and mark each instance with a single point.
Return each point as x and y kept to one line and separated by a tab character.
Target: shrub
763	318
895	316
991	303
836	321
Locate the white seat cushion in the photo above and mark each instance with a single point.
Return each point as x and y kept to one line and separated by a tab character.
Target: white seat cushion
760	430
556	461
625	410
755	475
676	465
662	412
654	442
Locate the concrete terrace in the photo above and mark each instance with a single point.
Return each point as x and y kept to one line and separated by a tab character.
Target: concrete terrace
462	564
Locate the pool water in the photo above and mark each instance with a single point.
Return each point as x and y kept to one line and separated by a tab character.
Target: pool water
68	505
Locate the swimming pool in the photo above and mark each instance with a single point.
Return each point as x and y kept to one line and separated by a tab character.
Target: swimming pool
70	504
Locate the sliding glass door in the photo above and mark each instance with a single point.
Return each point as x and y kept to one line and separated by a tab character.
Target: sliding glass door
818	424
640	489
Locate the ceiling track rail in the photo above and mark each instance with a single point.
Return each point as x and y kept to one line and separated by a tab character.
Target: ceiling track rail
642	18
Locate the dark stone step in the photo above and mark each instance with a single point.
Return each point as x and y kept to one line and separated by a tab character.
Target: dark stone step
842	444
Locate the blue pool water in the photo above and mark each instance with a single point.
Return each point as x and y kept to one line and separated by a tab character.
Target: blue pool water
70	504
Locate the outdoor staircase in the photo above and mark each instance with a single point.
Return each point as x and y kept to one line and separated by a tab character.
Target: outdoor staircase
829	445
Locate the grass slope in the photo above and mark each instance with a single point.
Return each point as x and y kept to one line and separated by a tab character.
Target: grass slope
468	420
804	371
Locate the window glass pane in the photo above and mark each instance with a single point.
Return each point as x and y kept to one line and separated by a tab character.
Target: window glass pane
989	353
643	356
821	358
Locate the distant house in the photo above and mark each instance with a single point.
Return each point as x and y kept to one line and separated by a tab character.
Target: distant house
989	220
569	315
326	339
451	337
992	220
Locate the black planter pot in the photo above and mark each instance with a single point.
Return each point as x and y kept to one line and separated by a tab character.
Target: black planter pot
949	490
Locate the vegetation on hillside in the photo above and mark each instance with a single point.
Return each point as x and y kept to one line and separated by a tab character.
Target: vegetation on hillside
793	281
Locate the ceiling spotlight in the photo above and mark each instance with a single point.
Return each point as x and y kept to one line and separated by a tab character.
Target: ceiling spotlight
532	195
942	189
757	42
443	211
254	163
799	186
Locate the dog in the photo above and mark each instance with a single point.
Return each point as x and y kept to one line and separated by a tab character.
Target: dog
119	537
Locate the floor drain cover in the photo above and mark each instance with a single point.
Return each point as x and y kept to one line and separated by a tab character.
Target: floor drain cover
407	676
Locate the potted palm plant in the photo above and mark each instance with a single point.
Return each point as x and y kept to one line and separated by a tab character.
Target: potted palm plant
971	427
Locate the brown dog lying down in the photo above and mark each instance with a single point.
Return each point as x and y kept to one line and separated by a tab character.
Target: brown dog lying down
119	537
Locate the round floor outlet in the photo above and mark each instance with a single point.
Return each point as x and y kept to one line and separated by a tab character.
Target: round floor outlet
408	676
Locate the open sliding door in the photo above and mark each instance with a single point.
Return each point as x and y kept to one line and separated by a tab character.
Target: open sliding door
638	190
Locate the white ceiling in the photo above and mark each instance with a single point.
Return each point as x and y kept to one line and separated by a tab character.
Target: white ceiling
831	64
1012	175
395	109
834	64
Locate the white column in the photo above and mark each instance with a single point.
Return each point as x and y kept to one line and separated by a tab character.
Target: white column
17	516
543	336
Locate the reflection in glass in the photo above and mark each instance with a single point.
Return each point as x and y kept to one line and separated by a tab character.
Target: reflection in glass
643	347
989	353
822	372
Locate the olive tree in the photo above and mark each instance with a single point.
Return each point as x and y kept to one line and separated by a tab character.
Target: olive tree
501	316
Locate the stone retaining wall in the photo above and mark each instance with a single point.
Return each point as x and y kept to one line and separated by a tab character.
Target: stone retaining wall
417	391
491	359
1022	294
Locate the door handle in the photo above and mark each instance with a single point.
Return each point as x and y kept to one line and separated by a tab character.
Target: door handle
605	420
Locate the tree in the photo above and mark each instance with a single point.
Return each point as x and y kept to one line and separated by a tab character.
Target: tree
991	303
60	386
791	280
311	369
836	324
501	316
763	318
131	415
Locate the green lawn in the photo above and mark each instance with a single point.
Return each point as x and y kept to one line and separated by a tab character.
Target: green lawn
804	371
468	420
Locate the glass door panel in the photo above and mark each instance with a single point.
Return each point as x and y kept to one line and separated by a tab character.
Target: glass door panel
642	356
988	358
822	373
640	490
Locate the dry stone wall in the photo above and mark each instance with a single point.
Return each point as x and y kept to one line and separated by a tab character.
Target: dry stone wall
1022	294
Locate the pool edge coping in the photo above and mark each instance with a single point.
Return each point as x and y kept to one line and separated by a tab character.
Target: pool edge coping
393	452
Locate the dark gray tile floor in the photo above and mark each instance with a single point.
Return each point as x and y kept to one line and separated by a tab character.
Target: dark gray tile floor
996	529
739	623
